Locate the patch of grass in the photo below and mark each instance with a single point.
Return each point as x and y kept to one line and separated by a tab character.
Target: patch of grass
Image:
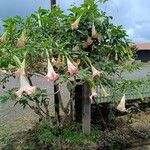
75	136
72	135
46	138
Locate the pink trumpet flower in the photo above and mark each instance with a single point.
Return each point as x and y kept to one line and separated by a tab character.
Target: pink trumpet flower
21	70
96	35
72	69
25	87
3	37
75	25
93	93
96	72
94	32
21	41
51	75
121	105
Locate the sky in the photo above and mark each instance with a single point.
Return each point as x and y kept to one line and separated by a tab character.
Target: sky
132	14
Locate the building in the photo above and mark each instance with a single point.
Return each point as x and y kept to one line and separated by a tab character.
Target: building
143	51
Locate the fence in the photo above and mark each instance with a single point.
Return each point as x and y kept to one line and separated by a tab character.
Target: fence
131	94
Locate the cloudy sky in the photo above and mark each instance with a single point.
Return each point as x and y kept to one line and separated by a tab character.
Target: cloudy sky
132	14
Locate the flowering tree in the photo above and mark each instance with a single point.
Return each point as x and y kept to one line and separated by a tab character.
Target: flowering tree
62	48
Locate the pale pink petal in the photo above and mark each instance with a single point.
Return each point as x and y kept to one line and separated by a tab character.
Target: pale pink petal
19	93
93	93
30	90
72	69
75	25
52	76
96	72
121	105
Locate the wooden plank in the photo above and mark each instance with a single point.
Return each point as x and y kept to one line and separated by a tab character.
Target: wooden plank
78	103
57	98
86	108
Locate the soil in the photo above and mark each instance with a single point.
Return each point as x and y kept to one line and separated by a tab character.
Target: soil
130	132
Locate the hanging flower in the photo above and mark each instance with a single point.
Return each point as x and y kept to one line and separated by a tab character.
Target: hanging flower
3	37
94	32
116	56
59	62
25	87
21	41
21	70
51	75
95	35
88	43
76	48
121	105
96	72
39	20
72	69
104	92
75	25
93	93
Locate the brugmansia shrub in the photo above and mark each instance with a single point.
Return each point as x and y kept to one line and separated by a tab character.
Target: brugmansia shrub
60	47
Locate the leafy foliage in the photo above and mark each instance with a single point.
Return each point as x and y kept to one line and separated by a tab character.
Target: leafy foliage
51	30
86	37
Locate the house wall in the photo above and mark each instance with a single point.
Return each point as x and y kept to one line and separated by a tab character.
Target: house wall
143	55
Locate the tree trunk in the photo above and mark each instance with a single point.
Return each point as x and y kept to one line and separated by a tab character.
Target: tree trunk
53	3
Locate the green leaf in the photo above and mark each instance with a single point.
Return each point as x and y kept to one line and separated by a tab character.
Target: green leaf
70	86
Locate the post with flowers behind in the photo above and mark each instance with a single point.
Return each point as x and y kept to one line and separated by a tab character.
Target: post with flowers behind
83	106
86	108
57	95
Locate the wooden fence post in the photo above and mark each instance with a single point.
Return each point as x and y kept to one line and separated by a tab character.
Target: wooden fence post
86	109
78	103
57	98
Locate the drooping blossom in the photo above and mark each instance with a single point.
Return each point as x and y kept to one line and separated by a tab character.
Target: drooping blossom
76	48
21	70
25	86
72	69
95	35
3	37
75	25
59	62
121	105
131	61
104	92
39	20
96	72
88	43
116	56
93	93
94	32
51	75
21	41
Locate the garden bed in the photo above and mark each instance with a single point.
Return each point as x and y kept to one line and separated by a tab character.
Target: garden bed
125	132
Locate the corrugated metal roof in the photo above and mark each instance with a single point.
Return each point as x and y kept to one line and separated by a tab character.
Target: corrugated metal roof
143	46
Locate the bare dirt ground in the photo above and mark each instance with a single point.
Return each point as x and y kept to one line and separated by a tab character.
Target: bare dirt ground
140	124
